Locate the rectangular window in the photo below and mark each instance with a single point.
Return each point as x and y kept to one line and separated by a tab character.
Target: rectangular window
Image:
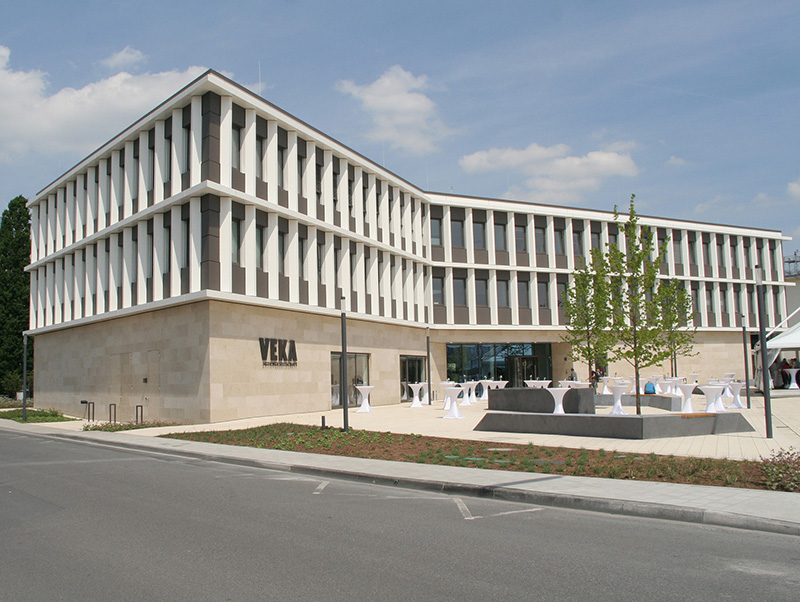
457	233
236	148
706	253
459	291
167	249
438	290
320	256
502	293
560	242
186	149
185	239
301	257
281	165
167	160
357	374
577	243
236	241
436	232
693	252
133	275
481	293
300	176
595	240
561	290
676	249
479	234
734	254
500	237
541	238
544	296
282	253
520	239
260	158
724	301
260	239
709	299
148	257
523	294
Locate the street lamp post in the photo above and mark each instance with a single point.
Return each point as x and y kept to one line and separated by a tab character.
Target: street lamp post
24	378
428	363
762	337
343	393
746	362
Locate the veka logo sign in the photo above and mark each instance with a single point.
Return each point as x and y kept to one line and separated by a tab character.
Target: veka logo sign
278	352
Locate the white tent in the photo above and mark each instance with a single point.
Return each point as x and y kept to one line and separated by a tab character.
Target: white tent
786	340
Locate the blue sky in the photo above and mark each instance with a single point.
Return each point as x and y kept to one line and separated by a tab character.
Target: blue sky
692	106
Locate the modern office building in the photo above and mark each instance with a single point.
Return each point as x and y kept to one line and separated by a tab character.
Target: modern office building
197	263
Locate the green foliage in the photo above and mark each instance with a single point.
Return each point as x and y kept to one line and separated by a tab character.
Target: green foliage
115	427
782	470
35	416
635	321
14	292
618	308
675	305
646	311
586	305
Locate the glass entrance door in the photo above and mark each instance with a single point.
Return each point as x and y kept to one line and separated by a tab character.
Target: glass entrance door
357	374
527	367
412	370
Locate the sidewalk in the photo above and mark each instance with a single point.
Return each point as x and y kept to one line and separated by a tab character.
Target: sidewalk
776	512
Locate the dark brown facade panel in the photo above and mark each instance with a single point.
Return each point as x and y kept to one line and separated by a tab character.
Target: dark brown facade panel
237	279
210	171
209	276
238	116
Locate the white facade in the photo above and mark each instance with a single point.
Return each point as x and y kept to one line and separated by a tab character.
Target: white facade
217	195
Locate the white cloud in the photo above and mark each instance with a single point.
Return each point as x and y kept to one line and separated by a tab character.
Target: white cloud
74	120
793	189
552	174
124	59
401	115
674	161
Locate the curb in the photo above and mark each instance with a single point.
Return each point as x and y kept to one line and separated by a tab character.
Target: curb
555	500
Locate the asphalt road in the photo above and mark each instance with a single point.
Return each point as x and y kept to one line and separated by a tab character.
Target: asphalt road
90	523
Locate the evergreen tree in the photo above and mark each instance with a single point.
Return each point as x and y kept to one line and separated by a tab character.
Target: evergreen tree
15	249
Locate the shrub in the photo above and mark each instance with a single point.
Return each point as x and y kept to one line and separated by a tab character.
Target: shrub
782	470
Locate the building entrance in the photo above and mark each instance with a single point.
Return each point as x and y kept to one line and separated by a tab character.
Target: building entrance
412	370
527	367
514	362
357	374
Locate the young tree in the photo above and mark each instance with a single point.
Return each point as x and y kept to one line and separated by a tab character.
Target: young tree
636	322
675	304
586	305
15	249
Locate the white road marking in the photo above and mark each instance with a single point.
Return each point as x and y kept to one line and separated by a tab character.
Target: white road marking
320	487
463	508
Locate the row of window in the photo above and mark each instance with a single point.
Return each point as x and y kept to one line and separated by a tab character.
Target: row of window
727	249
